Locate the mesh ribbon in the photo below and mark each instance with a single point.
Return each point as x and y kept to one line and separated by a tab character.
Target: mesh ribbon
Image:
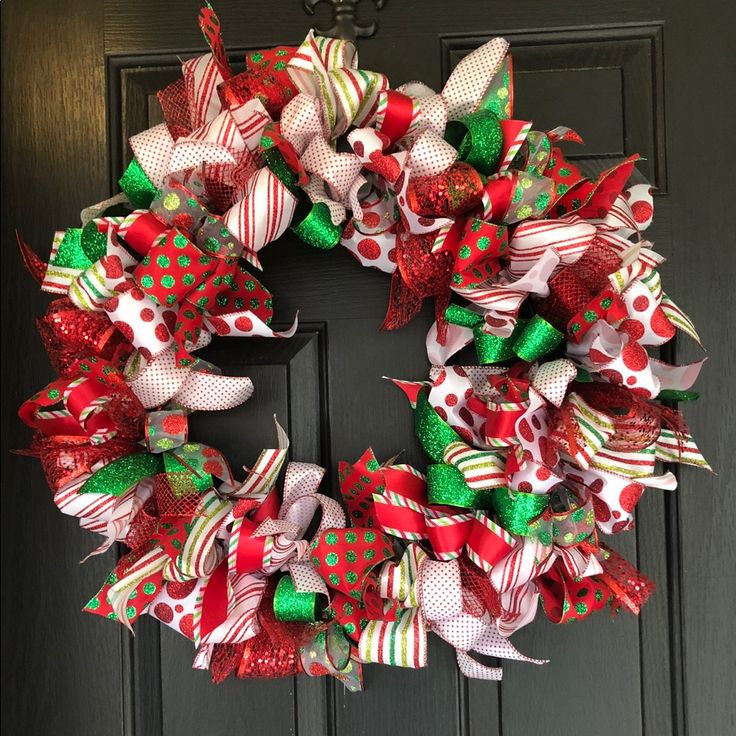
575	285
630	587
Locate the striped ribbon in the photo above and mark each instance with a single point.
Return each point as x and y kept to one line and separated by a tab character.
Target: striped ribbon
148	569
199	557
225	612
670	448
481	469
327	68
570	237
591	430
263	215
400	643
397	580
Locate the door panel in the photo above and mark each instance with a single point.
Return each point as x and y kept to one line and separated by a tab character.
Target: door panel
621	74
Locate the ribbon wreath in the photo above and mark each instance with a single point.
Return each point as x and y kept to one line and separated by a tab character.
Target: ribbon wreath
546	444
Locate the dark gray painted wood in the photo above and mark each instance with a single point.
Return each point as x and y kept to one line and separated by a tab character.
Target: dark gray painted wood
628	76
61	671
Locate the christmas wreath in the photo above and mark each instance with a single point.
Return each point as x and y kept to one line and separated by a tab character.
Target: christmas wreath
538	451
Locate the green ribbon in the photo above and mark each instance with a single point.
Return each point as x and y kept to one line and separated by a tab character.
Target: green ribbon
478	138
291	605
93	242
138	188
317	228
80	247
278	166
122	474
516	509
70	253
495	349
446	486
445	483
530	340
434	432
537	338
670	394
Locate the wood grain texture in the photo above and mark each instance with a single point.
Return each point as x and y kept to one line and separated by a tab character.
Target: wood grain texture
61	670
623	73
701	277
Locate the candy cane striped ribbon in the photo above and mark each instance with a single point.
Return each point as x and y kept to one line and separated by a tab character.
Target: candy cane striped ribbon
244	595
400	516
199	556
513	577
213	143
201	78
487	542
262	215
569	236
514	135
595	428
94	510
150	566
447	533
481	469
670	449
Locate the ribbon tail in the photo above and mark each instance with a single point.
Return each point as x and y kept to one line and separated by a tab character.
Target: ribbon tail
35	266
474	669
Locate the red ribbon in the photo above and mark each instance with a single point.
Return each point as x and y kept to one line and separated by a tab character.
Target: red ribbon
214	600
398	115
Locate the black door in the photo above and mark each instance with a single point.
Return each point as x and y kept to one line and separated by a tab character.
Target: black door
79	77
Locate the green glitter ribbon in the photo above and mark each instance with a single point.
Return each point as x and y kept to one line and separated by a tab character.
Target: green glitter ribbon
490	348
92	242
433	432
495	349
291	605
670	394
70	253
138	188
537	338
479	140
276	162
516	509
122	474
462	316
445	483
446	486
317	228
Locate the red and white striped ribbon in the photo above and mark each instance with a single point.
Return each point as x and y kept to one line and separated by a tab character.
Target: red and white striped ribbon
263	214
201	78
570	237
244	595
